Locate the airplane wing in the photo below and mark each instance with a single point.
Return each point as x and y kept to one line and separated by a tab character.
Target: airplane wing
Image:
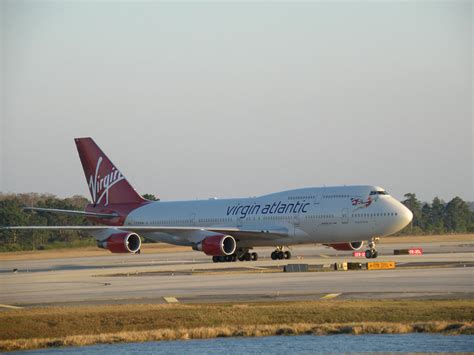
236	232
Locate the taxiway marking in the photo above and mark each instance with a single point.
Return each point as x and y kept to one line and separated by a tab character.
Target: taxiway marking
171	299
9	306
256	267
330	295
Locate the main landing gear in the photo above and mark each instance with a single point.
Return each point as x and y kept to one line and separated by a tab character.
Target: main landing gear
240	254
246	255
279	254
372	253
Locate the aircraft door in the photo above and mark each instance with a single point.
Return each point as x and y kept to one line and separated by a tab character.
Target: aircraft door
373	222
239	222
296	220
345	216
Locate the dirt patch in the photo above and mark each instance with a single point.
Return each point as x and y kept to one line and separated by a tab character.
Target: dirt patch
147	248
410	239
150	248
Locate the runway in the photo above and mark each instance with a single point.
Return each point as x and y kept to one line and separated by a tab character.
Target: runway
148	278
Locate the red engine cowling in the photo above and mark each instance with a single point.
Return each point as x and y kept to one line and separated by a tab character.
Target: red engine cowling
122	243
217	245
347	246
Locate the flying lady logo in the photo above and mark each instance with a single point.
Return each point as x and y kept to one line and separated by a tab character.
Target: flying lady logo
361	203
100	186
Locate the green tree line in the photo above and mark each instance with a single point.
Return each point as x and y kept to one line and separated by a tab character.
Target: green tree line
12	214
437	217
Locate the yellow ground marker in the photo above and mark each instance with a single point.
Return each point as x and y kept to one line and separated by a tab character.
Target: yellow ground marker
171	299
330	295
381	265
9	306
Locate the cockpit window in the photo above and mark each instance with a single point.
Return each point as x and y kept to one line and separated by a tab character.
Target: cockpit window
378	193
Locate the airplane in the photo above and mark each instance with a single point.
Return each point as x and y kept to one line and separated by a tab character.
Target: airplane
342	217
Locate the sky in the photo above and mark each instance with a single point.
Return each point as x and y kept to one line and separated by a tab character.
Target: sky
235	99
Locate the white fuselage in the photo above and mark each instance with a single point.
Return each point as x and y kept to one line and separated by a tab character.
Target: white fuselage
309	215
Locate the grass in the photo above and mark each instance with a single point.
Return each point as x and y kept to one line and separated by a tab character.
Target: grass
54	326
236	331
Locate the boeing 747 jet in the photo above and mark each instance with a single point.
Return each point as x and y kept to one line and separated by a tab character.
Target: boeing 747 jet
343	217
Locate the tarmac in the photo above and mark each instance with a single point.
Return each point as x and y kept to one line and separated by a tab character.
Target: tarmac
445	270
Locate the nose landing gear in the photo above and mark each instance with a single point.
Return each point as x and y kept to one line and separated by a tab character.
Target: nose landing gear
279	254
372	253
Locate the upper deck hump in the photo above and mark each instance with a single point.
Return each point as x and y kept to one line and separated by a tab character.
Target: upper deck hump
309	191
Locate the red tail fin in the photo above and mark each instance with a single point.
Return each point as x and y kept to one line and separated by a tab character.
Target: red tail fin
106	183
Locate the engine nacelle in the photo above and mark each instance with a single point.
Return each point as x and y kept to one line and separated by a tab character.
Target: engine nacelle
122	243
347	246
217	245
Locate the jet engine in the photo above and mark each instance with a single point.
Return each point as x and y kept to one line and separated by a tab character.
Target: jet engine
347	246
122	243
217	245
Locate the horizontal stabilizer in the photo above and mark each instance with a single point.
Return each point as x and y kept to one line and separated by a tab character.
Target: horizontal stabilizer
77	213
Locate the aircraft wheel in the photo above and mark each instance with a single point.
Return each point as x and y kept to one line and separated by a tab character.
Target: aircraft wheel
375	253
254	256
274	255
234	258
228	258
215	259
368	254
281	255
247	257
287	254
221	258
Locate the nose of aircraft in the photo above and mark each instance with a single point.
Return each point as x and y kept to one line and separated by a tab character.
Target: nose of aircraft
405	215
